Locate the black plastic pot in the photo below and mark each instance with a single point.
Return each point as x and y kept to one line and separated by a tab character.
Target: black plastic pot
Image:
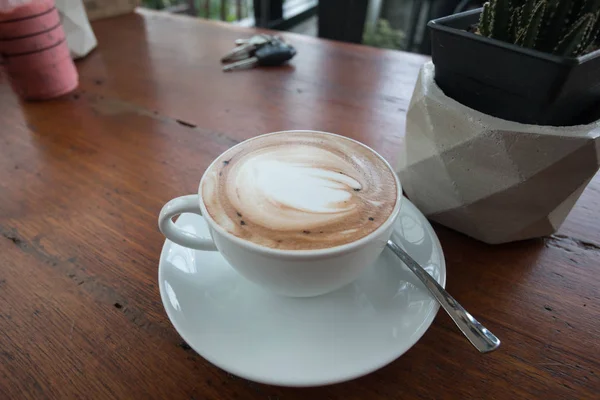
511	82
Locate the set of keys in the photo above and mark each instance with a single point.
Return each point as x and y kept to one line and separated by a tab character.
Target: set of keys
259	50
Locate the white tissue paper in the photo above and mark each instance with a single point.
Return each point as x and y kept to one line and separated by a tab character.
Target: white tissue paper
494	180
80	37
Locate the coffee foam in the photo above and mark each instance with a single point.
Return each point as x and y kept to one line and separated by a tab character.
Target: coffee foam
299	190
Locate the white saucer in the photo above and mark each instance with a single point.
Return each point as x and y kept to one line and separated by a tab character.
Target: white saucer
266	338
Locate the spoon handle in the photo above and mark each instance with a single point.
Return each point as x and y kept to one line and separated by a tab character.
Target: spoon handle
484	340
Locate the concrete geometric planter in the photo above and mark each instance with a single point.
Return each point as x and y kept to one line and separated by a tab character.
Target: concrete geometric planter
495	180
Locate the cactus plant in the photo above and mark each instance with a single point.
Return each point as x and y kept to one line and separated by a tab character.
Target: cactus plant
567	28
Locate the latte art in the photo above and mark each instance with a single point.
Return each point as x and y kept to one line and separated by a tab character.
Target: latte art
297	187
299	190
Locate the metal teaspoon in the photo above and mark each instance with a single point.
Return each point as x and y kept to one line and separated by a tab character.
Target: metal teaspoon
484	340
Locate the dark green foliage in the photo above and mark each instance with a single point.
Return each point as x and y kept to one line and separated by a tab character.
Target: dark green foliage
527	10
384	36
500	17
485	21
530	34
567	28
571	43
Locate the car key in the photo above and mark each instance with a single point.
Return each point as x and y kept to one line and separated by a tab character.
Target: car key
247	48
271	54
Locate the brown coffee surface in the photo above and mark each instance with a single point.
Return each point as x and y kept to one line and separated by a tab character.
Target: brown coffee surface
299	190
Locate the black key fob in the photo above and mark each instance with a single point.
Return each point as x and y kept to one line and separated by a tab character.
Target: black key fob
274	54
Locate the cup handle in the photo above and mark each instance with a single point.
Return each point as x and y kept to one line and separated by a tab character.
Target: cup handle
178	205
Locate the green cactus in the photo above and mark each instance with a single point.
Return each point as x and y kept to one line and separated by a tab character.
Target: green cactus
568	28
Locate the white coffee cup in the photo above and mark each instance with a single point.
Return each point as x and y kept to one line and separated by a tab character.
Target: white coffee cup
297	273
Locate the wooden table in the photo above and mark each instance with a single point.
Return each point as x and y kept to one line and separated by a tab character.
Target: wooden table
82	180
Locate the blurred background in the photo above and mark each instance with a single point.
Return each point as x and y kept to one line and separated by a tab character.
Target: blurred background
393	24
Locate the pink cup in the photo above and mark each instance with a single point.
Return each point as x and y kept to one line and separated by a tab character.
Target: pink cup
31	44
35	51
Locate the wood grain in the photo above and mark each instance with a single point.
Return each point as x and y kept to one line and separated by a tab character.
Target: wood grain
82	180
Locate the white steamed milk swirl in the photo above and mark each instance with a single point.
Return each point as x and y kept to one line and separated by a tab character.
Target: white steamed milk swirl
301	190
292	188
